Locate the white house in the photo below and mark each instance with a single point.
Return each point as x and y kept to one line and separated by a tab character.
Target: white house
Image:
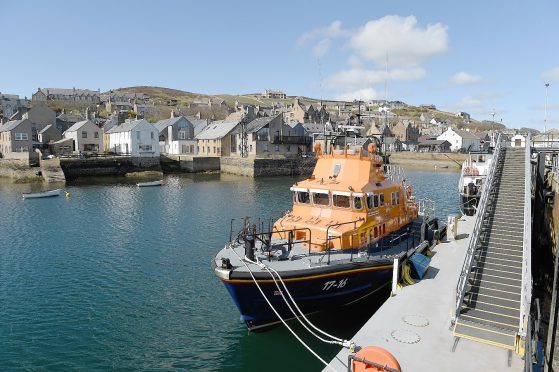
176	136
460	140
138	138
87	136
518	141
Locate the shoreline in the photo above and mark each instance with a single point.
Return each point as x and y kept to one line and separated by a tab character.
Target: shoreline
440	161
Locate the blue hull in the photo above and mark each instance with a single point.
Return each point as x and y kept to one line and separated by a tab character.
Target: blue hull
312	294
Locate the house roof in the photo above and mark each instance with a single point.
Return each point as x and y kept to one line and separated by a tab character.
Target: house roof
77	126
256	124
199	124
69	92
6	127
45	129
162	124
127	126
217	130
466	135
433	143
69	118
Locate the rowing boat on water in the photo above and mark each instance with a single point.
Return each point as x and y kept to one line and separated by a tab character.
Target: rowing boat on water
42	194
150	183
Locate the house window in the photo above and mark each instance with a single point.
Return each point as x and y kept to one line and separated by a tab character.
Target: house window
21	136
22	149
266	147
152	135
137	135
182	135
96	135
145	147
277	148
84	134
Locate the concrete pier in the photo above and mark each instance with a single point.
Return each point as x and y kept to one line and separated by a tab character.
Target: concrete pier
415	324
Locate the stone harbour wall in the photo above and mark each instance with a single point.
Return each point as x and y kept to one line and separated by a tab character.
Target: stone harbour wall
108	166
251	167
19	170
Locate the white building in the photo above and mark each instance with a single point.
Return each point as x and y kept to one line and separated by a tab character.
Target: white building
138	138
87	136
518	141
460	140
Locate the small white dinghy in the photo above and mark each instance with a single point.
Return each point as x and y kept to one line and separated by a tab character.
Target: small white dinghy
42	194
150	183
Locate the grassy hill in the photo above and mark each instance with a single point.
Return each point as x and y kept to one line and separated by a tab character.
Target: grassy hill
161	97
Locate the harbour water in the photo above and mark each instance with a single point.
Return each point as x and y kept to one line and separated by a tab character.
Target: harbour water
119	277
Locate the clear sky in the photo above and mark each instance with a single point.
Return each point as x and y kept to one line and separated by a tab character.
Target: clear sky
474	56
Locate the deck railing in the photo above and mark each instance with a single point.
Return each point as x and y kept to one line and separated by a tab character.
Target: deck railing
474	239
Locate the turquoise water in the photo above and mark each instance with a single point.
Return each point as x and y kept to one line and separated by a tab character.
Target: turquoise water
118	277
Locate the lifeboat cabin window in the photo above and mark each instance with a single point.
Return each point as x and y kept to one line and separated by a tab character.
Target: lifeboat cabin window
358	202
373	200
381	200
301	195
321	198
395	198
341	200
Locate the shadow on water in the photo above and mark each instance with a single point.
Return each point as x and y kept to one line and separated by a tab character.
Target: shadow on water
278	350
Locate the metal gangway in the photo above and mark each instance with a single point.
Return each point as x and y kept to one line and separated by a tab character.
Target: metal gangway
494	290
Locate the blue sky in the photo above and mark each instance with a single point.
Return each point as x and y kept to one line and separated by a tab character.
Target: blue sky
474	56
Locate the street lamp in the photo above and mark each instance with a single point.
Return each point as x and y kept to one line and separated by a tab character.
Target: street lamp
545	113
493	128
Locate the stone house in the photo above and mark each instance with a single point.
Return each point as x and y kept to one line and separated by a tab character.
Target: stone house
430	145
460	140
138	138
176	136
15	139
144	110
10	104
40	115
268	93
87	137
64	121
49	134
66	95
392	144
405	130
216	139
269	137
298	112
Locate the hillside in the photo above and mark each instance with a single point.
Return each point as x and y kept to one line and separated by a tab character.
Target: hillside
190	103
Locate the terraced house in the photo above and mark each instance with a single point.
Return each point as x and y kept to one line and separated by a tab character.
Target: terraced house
15	139
67	95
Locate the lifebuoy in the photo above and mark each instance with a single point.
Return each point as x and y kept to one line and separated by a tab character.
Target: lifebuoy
381	357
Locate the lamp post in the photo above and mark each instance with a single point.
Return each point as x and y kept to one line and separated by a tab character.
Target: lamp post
545	114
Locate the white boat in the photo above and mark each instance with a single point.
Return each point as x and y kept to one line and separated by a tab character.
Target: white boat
150	183
472	181
42	194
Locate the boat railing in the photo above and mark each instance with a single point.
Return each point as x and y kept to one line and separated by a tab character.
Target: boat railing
394	173
331	238
426	207
476	233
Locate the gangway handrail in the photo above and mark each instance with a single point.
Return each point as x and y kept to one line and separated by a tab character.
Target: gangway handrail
526	289
462	279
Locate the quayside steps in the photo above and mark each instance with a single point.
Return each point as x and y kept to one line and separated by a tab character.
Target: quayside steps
494	290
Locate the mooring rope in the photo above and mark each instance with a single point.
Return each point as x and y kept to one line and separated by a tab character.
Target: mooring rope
280	318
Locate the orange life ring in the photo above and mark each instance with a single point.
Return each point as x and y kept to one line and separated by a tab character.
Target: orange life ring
378	355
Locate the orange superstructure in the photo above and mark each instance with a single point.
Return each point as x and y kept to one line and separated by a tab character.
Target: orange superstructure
348	202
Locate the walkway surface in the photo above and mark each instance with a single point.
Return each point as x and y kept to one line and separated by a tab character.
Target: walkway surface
415	325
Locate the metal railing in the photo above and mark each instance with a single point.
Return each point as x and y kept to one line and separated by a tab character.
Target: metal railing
394	173
526	290
462	280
